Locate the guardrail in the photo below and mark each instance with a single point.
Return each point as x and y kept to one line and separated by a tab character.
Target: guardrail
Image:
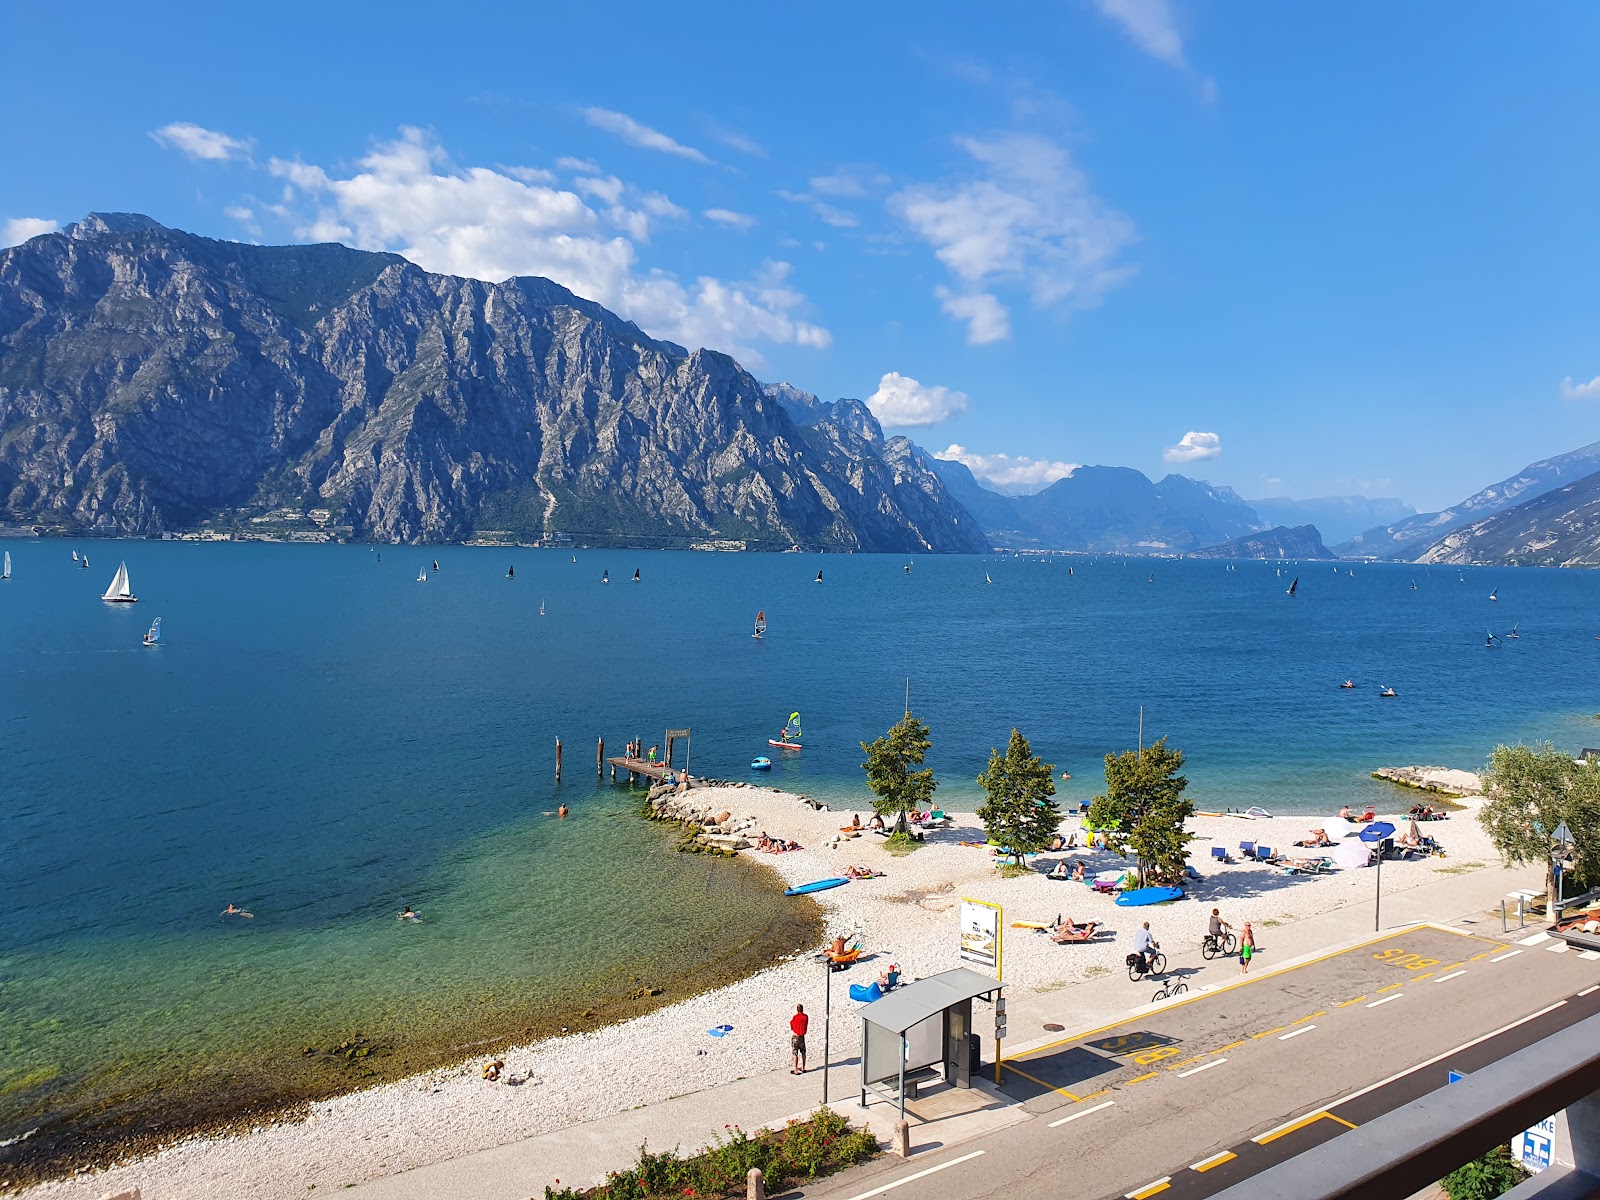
1416	1145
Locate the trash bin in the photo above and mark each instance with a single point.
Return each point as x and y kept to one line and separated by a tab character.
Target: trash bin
974	1051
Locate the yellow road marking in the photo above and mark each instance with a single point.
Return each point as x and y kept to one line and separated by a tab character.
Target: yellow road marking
1295	1126
1476	957
1159	1185
1268	1032
1035	1079
1216	1160
1142	1078
1092	1095
1453	966
1228	987
1390	988
1348	1003
1312	1017
1186	1062
1419	978
1229	1046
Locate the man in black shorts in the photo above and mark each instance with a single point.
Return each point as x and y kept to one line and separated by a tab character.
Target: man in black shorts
798	1024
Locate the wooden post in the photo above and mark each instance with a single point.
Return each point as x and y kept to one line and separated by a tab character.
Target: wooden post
558	760
600	758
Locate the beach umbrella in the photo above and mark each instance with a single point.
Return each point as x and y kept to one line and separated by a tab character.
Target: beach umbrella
1376	833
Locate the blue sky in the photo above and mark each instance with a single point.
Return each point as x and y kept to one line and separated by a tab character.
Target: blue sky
1297	248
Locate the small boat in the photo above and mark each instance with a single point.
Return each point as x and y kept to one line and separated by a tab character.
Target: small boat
422	574
119	592
986	578
84	562
1512	634
605	576
789	739
1413	585
511	571
908	568
1348	683
541	608
1295	586
574	559
761	624
1388	691
636	575
1069	570
819	576
74	556
1495	595
761	763
1152	578
1489	638
816	885
6	574
153	637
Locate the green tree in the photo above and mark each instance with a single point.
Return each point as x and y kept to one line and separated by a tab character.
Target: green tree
1019	813
1533	789
1495	1174
1143	809
889	765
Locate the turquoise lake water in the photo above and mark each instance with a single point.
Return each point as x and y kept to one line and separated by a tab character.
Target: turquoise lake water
321	740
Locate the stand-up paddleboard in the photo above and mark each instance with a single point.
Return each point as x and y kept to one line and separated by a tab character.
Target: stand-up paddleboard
789	738
1139	897
817	885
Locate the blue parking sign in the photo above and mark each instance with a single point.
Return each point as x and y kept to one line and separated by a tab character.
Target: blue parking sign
1534	1147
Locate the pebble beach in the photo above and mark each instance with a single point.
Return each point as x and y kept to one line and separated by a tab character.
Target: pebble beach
906	915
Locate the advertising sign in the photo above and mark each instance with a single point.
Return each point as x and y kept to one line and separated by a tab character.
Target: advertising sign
1533	1147
980	934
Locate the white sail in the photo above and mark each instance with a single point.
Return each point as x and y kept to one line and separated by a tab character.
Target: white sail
74	556
6	574
153	638
422	575
119	589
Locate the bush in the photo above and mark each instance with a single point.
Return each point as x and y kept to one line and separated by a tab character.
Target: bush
1495	1174
822	1143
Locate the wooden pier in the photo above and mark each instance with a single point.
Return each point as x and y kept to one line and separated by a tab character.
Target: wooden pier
658	771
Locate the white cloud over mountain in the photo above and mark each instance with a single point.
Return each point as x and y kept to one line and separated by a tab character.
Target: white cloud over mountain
1192	447
1019	474
1581	391
1028	220
635	134
200	143
405	195
901	402
17	230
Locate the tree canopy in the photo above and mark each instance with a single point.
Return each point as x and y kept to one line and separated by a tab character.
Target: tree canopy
1531	790
1019	813
1143	809
890	760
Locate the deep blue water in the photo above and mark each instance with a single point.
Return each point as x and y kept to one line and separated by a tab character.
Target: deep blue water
321	739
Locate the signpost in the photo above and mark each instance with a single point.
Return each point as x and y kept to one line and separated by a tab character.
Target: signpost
980	944
1377	832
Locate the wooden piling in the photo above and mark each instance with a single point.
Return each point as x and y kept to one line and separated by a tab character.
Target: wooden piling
600	758
558	760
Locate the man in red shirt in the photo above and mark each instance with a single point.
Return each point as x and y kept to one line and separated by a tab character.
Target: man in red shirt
798	1024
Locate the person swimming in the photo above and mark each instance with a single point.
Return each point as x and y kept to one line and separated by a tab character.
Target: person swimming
561	811
409	914
234	910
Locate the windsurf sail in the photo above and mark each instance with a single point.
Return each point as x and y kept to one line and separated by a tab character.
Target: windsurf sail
153	638
761	623
791	727
819	576
1295	586
74	556
6	574
636	574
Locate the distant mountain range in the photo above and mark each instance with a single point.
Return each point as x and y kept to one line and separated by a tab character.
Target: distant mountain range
1560	528
153	380
1300	543
1336	517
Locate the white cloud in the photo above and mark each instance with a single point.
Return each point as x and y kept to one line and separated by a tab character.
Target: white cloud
239	212
733	139
535	174
1192	447
849	182
19	229
824	212
726	216
1019	474
199	142
635	134
1150	25
1028	220
1581	391
901	401
585	166
406	196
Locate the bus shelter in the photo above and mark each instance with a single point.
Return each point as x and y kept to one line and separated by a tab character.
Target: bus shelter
921	1032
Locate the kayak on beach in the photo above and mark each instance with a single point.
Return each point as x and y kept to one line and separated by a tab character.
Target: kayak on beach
1139	897
816	885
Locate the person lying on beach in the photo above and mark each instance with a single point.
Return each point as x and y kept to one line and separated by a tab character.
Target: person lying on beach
1066	931
876	823
491	1070
409	914
234	911
860	873
1058	844
1059	871
1412	836
1426	812
1317	837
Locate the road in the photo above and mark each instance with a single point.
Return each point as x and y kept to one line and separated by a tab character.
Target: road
1214	1087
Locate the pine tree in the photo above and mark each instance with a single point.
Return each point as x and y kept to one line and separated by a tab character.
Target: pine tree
1143	809
889	761
1019	814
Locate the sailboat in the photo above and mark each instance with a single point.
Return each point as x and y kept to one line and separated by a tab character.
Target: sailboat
436	564
422	574
789	739
819	576
1413	585
574	559
511	571
1295	586
84	562
761	624
153	638
6	574
119	592
605	576
1069	570
635	575
1490	639
541	608
986	578
908	568
74	556
1495	595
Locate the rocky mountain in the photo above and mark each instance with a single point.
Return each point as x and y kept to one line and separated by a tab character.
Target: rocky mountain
1558	529
154	380
1106	510
1337	517
1406	539
1301	542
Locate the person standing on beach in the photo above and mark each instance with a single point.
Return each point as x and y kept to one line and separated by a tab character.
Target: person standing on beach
1247	948
798	1024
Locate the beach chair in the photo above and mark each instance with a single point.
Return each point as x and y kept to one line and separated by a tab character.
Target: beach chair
1247	849
1220	853
1265	854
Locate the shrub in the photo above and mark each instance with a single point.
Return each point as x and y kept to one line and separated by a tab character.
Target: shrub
1495	1174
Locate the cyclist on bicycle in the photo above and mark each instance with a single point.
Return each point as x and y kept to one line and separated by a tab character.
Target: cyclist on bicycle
1218	928
1145	945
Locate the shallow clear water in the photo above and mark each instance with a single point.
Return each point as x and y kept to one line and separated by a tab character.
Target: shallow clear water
321	740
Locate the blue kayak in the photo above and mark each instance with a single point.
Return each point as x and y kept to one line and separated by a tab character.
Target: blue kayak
1139	897
761	764
816	885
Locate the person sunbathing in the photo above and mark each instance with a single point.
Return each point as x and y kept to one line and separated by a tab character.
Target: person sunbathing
1345	814
1067	931
1079	873
876	823
1317	837
890	978
1059	871
1412	836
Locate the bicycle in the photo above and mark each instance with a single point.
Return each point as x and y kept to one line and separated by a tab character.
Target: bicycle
1213	946
1139	966
1172	987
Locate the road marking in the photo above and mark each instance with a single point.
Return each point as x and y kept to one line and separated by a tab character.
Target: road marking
1388	988
1268	1032
1452	975
1535	939
1042	1083
1420	978
1589	954
1476	957
1289	1127
1150	1189
1385	1000
1082	1112
1180	1065
1092	1095
1453	966
1503	957
1225	1049
1216	1160
1215	1062
1348	1003
1297	1032
1142	1078
1437	1058
1312	1017
889	1187
1558	948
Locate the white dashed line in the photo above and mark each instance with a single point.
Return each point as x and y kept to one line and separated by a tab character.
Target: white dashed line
1535	939
1591	988
1503	957
1215	1062
878	1191
1591	955
1302	1029
1558	948
1386	999
1220	1156
1155	1185
1083	1112
1452	975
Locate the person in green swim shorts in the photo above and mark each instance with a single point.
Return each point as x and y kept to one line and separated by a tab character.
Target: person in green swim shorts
1247	948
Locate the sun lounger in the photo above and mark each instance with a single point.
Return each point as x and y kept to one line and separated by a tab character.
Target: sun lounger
1265	854
1247	849
1220	853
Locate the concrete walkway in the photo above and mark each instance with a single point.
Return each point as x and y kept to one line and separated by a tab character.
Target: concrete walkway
581	1154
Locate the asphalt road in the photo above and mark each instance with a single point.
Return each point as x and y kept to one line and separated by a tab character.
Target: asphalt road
1215	1087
